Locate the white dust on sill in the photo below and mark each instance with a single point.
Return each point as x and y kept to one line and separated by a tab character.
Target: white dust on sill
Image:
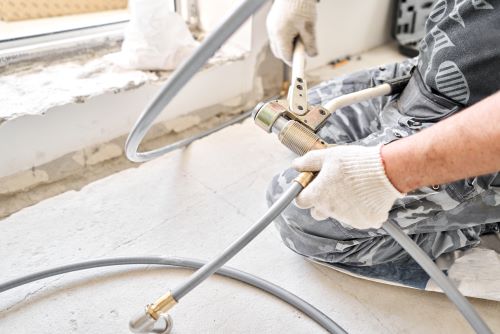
35	88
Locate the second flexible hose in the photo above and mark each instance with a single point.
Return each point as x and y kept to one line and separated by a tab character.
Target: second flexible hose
237	245
273	289
438	277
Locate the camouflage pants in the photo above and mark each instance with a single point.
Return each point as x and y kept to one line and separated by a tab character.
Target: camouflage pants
440	219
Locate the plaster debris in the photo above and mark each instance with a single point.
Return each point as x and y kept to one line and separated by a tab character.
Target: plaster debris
35	89
23	180
155	38
97	154
75	169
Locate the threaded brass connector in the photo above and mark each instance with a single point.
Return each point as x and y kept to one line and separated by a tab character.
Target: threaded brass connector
300	139
162	305
304	178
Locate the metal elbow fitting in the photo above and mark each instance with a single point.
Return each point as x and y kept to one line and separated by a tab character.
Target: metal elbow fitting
153	319
144	323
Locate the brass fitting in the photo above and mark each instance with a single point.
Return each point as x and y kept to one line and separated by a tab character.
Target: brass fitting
161	305
300	139
304	178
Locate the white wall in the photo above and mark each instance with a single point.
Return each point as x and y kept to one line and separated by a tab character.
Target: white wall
350	26
213	11
344	27
31	141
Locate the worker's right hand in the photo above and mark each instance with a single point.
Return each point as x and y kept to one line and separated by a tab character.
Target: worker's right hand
351	186
287	20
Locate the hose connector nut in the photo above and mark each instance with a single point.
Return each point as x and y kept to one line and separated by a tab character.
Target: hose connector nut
161	305
300	139
304	178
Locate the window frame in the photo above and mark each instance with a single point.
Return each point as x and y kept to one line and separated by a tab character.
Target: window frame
53	43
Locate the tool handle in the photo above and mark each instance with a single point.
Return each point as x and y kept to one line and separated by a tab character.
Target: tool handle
298	60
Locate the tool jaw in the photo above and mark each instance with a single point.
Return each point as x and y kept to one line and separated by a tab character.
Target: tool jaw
292	131
313	119
268	114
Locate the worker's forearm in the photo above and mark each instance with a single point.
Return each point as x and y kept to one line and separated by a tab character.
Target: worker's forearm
465	145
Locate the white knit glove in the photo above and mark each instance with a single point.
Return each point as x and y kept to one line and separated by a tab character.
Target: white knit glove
351	186
288	19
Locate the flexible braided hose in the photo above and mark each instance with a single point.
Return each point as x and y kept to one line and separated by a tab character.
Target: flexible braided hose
273	289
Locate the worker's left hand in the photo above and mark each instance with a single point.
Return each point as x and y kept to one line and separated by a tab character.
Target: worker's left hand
287	20
351	186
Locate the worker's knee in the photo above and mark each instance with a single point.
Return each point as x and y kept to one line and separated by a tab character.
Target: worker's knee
279	184
327	240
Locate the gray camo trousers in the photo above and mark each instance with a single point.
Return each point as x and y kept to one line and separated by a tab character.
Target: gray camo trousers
440	219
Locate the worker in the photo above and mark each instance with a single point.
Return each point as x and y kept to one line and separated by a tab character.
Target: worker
413	159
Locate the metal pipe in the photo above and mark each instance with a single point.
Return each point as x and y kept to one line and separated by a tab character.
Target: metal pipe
237	245
359	96
247	278
424	261
181	76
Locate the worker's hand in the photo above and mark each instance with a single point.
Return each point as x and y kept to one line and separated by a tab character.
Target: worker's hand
287	20
351	186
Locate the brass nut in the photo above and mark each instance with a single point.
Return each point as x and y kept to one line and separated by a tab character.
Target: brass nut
162	305
304	178
300	139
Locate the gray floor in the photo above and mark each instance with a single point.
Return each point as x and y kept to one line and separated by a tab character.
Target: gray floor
191	203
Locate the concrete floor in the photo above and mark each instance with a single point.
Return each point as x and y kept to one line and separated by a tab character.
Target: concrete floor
192	203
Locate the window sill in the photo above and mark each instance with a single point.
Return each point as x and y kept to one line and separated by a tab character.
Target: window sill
36	88
89	105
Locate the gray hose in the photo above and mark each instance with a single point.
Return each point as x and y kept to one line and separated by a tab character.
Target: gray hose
181	76
273	289
186	141
438	277
237	245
